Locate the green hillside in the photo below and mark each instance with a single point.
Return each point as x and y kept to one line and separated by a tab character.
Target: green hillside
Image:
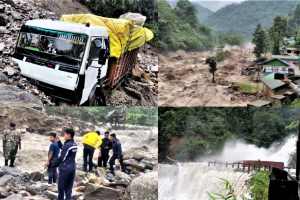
242	18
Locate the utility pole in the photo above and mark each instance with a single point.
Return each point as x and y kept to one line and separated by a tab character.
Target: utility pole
298	152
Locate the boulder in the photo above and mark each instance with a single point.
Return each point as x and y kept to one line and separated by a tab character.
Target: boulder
3	19
94	179
144	187
103	193
138	157
137	73
14	197
36	176
51	195
3	193
122	178
3	30
79	189
80	175
3	78
16	15
4	180
32	189
2	8
13	3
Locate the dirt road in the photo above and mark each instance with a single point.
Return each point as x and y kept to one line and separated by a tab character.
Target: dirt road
185	80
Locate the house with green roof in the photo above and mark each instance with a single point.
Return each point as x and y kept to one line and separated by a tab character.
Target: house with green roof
276	65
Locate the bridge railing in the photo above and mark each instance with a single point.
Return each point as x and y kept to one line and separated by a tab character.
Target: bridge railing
242	165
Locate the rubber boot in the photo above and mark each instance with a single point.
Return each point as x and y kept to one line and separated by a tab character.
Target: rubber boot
6	162
12	163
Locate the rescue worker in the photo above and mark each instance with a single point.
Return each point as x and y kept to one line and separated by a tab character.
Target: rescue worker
91	141
118	154
104	150
67	166
52	155
11	142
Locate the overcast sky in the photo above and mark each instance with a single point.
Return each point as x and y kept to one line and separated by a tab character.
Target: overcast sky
215	5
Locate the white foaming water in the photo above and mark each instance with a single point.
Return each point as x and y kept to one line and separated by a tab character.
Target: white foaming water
190	181
242	151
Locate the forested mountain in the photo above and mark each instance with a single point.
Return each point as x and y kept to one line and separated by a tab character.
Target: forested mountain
206	130
242	18
202	13
179	28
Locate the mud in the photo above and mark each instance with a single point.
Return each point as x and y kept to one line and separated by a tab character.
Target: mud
185	80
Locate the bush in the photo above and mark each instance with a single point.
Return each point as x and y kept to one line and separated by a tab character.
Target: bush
259	184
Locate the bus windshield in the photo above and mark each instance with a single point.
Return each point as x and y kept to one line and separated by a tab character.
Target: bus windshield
52	43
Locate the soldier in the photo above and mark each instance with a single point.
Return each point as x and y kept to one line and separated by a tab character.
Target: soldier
11	142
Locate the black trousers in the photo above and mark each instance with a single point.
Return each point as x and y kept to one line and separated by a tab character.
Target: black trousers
112	162
88	151
103	159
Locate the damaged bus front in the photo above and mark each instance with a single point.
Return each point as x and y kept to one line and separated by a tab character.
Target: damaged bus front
64	60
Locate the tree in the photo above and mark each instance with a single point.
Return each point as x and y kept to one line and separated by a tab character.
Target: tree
277	32
260	41
212	62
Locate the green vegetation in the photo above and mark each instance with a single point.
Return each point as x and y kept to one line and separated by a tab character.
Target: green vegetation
229	196
230	39
145	116
179	28
115	8
260	39
242	18
210	128
221	54
247	89
212	62
259	185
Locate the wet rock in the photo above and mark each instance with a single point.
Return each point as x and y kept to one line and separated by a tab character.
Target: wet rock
29	98
51	195
144	187
16	15
79	189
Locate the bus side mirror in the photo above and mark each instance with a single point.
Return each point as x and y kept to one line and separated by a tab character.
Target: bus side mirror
102	57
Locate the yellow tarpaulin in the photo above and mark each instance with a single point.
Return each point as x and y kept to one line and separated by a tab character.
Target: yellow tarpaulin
124	36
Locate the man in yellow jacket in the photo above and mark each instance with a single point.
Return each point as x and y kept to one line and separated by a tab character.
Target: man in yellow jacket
91	141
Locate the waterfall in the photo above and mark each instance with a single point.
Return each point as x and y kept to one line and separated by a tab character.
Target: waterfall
190	181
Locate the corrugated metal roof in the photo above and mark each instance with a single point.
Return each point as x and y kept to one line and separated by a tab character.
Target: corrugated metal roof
286	57
271	82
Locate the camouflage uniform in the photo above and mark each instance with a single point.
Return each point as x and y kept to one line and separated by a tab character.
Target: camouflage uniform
11	141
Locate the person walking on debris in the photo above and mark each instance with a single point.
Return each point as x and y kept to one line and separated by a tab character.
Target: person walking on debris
89	142
67	166
104	150
117	153
52	155
11	142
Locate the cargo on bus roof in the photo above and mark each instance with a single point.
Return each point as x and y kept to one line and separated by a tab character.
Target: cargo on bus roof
68	26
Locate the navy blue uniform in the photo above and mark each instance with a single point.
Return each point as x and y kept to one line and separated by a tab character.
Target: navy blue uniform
52	171
67	169
104	152
118	154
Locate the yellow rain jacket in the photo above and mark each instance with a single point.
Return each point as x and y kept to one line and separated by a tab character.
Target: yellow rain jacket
91	139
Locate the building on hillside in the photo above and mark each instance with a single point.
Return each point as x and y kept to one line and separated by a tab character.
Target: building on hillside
290	51
276	65
276	91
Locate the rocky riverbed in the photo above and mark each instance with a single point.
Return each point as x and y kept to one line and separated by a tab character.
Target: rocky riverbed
28	180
